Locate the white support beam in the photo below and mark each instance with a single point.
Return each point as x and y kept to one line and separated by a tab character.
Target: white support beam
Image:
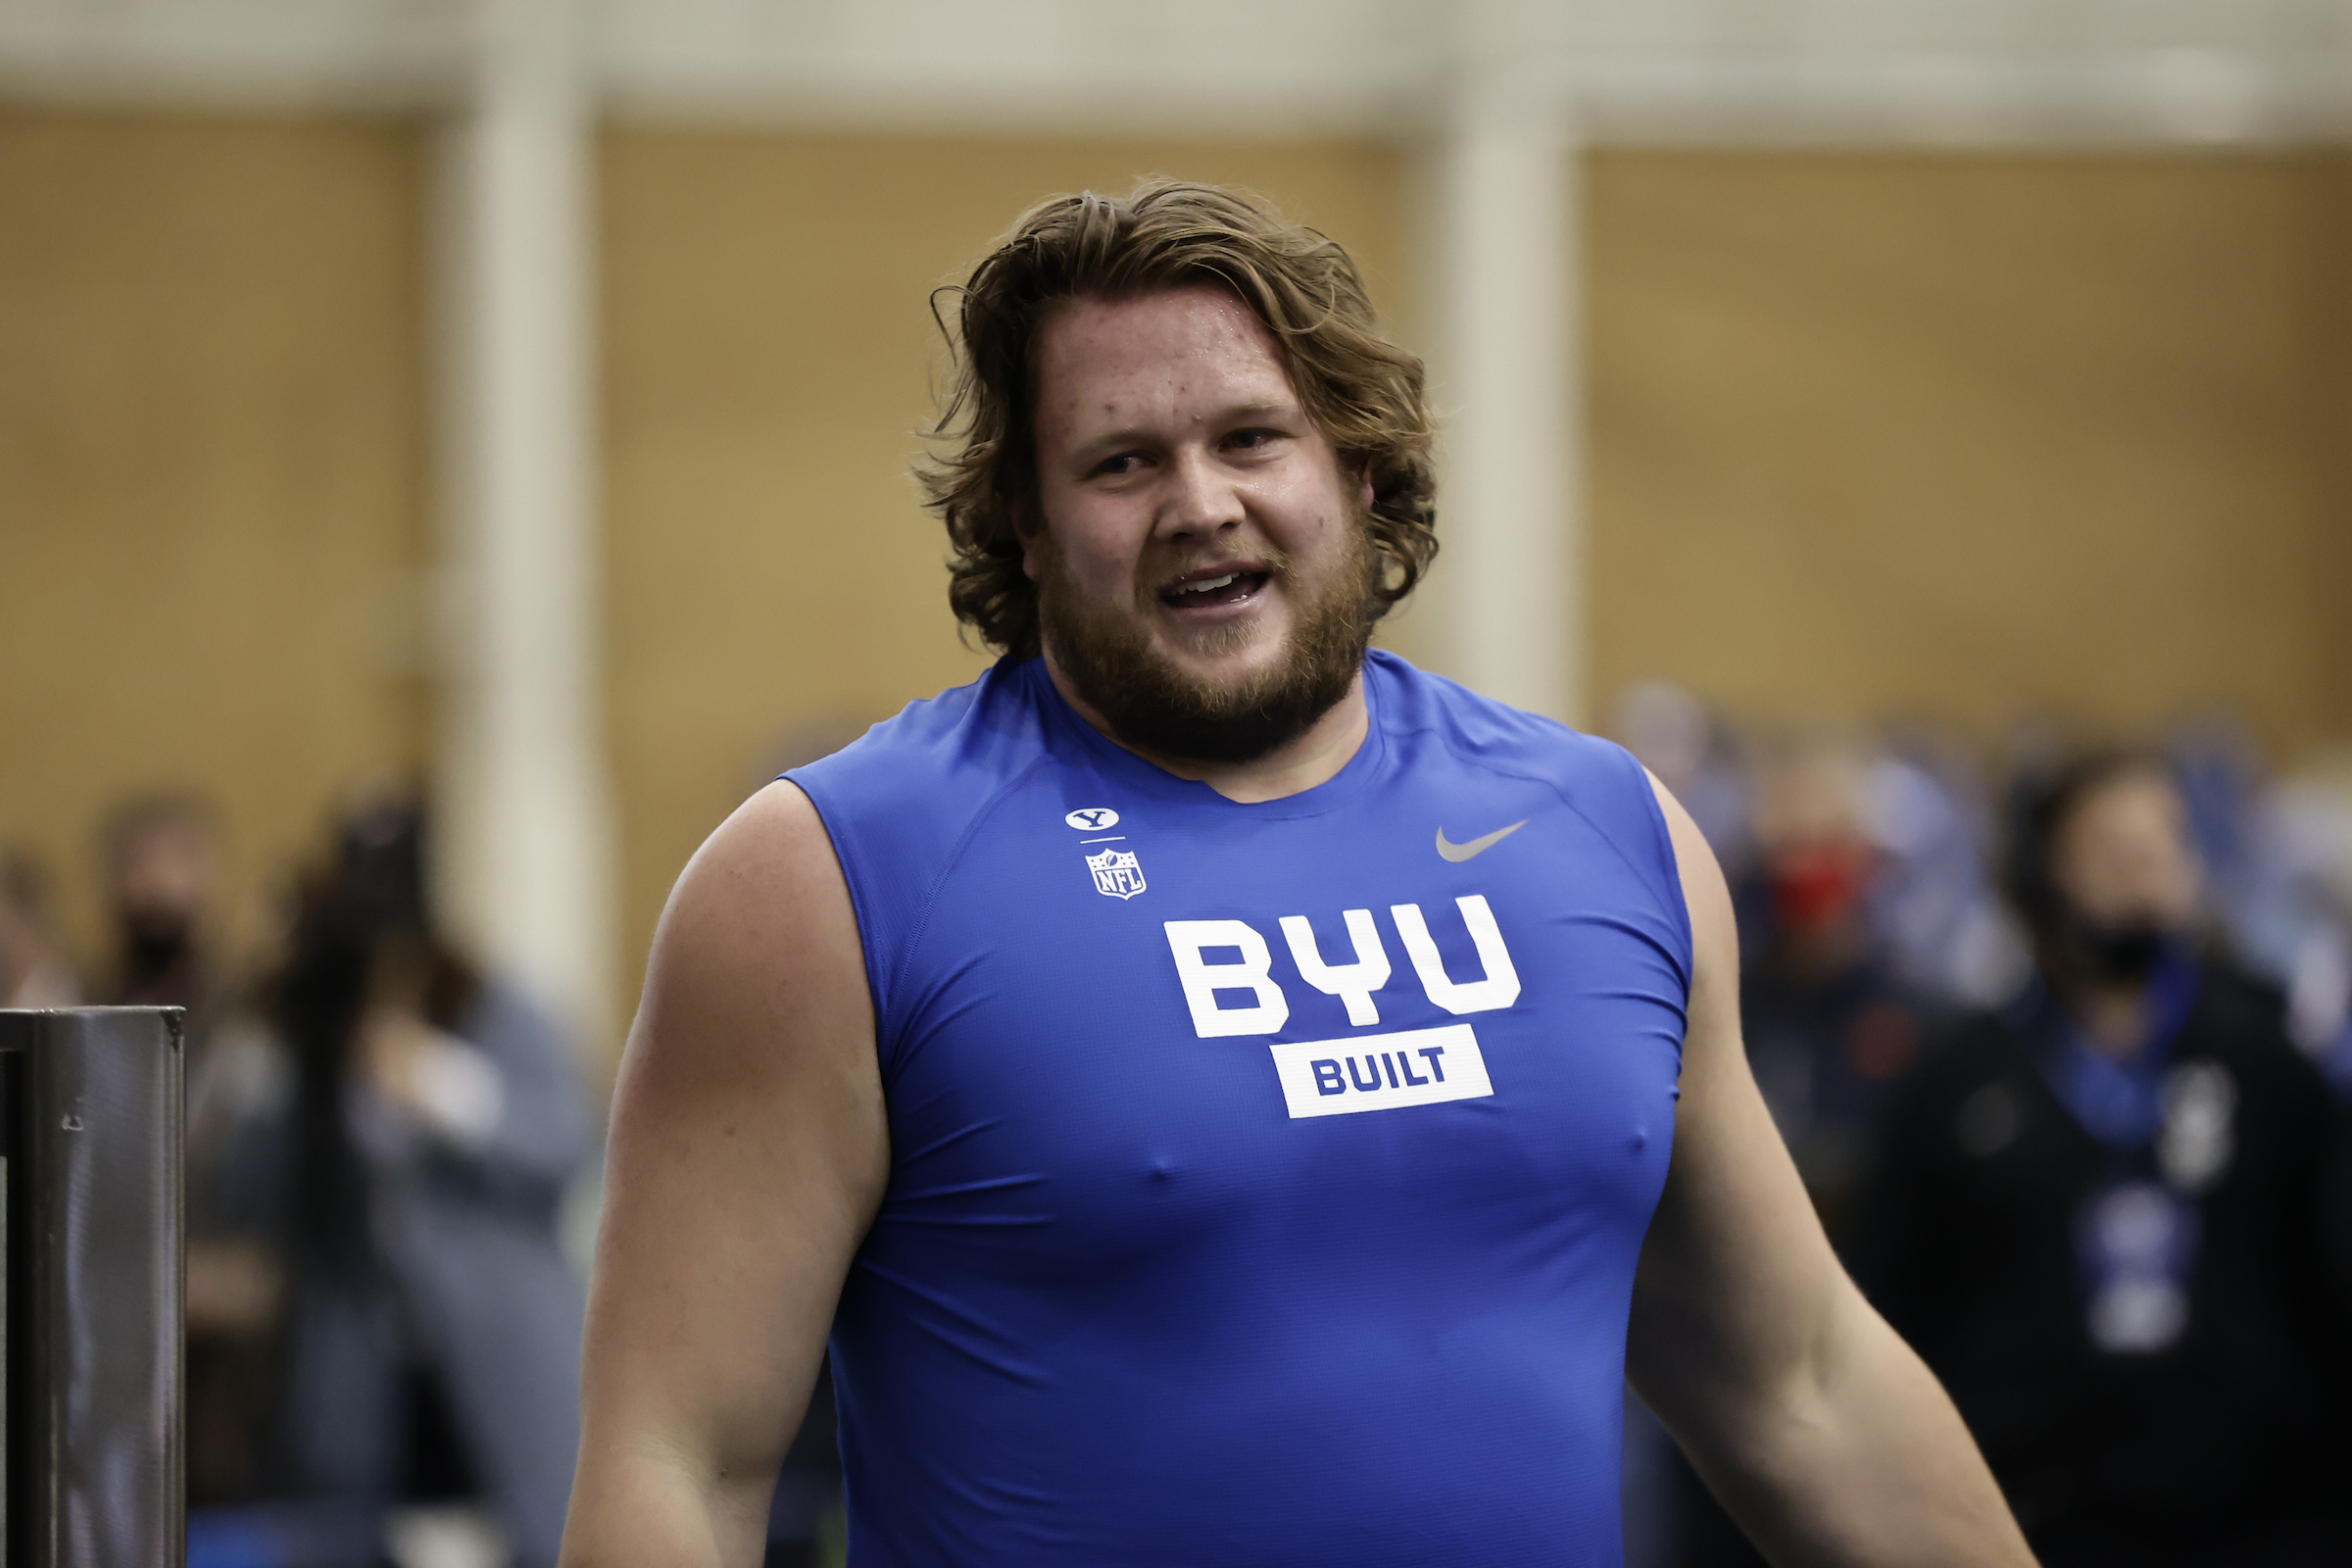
525	819
1509	582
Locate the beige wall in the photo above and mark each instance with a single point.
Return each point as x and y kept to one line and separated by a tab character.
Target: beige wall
1942	433
1965	435
210	473
768	355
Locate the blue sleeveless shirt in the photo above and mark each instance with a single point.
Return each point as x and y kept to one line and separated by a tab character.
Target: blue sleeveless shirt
1266	1180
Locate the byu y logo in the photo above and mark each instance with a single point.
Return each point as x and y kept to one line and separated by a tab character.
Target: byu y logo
1093	818
1116	873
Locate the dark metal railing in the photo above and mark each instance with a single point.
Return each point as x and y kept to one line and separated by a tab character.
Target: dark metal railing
94	1300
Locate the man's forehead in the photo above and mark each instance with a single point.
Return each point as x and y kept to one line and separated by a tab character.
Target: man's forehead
1198	328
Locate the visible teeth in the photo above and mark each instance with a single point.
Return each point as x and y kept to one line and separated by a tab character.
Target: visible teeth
1207	584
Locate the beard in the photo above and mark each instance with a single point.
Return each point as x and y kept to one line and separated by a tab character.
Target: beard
1153	705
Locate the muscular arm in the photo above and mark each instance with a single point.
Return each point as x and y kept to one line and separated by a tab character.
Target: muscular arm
1817	1427
748	1155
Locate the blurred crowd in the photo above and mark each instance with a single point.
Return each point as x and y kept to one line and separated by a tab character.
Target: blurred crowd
380	1138
2061	1043
2060	1040
388	1152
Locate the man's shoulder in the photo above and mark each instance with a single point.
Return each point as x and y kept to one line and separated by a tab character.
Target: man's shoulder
898	801
935	754
1487	732
1474	741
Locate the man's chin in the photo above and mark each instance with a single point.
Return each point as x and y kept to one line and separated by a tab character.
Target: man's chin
1231	654
1226	675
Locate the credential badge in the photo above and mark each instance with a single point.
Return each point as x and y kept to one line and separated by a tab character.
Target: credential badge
1116	873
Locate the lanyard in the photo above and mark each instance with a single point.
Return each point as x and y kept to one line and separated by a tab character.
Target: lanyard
2122	1104
2137	1238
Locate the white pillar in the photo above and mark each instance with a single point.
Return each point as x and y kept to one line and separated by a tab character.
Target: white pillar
1509	371
524	819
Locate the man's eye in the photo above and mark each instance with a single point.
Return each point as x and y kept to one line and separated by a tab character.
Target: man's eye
1252	440
1125	463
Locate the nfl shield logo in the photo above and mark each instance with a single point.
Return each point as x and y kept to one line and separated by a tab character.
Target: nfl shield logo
1117	875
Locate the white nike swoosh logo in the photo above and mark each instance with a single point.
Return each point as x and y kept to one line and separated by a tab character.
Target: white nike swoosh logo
1463	851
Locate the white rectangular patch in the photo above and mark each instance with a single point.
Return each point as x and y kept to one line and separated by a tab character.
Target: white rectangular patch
1409	1067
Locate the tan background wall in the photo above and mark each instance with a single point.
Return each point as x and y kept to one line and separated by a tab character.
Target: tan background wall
1957	434
1963	435
768	358
211	469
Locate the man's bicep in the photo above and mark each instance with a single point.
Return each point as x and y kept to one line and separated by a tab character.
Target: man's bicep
1736	1274
748	1154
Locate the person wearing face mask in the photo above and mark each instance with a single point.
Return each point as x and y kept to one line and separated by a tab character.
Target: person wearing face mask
425	1123
160	856
161	866
2098	1212
1830	1026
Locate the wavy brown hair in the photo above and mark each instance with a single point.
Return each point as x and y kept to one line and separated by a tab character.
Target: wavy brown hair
1362	390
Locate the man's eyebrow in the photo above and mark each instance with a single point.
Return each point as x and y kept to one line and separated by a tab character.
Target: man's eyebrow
1114	438
1237	411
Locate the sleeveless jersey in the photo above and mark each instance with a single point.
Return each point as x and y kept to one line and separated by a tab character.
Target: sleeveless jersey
1266	1180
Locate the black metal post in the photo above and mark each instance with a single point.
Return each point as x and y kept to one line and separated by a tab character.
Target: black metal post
95	1296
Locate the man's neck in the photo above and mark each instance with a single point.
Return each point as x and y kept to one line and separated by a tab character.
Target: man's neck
1292	768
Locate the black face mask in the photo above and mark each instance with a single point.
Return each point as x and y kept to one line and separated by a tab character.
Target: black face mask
2120	954
153	948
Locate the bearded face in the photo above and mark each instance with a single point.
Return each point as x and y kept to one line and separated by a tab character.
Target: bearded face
1203	568
1159	705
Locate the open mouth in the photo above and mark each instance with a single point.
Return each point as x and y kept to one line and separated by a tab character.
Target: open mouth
1218	585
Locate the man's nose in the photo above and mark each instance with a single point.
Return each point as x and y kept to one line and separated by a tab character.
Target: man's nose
1201	499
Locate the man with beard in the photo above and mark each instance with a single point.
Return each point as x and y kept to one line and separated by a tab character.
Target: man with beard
1212	1083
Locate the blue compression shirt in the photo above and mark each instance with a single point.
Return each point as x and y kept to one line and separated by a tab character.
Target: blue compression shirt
1266	1180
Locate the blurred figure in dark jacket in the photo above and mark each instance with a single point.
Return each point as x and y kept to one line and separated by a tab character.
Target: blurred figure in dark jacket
2097	1216
160	869
1829	1025
425	1124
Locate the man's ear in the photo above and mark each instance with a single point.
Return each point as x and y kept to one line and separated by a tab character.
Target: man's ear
1363	488
1025	529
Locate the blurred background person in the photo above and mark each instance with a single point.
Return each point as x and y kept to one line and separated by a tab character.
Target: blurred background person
2278	857
1830	1024
411	1162
2097	1214
159	861
1839	839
